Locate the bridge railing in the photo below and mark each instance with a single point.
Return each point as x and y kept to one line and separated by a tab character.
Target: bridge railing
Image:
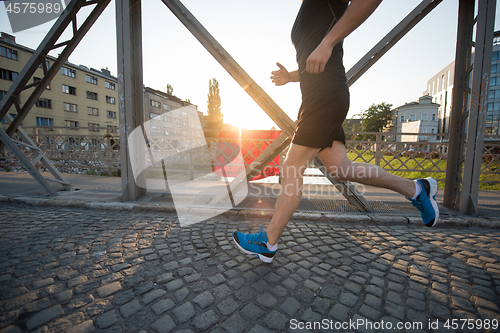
97	151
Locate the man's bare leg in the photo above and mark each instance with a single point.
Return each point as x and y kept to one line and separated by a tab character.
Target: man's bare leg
341	168
297	159
339	165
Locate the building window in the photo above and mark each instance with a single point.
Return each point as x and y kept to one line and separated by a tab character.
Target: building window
70	107
111	114
68	89
494	56
8	53
93	127
92	95
496	106
424	116
492	94
110	85
47	64
493	69
155	104
493	81
44	103
8	75
36	79
92	111
71	124
110	100
2	94
68	72
154	116
402	119
113	130
44	121
433	117
413	117
90	79
167	107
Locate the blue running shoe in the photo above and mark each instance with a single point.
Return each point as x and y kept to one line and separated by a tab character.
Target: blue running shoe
254	244
426	201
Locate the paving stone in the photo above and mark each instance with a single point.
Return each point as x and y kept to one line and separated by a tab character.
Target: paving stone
348	299
184	312
415	304
130	308
153	295
42	283
275	320
267	300
227	306
97	307
109	289
85	327
77	280
37	305
290	306
252	312
204	321
162	306
80	301
340	312
164	325
44	317
258	329
235	324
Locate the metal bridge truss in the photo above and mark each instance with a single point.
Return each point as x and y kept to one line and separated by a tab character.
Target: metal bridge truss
130	82
469	108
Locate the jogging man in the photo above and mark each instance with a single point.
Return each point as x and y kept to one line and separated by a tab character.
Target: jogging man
318	34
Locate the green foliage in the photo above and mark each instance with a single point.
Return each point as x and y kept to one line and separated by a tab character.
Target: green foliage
214	102
170	90
352	125
375	119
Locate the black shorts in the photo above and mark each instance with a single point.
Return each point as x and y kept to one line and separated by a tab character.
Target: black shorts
323	110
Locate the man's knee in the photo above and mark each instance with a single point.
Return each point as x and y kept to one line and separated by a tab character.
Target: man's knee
291	170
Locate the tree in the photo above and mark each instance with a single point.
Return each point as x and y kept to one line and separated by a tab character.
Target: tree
376	118
214	102
170	90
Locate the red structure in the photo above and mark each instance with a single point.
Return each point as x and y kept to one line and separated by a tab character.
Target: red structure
251	143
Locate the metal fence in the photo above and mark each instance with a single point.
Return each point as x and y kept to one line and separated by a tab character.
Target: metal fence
98	152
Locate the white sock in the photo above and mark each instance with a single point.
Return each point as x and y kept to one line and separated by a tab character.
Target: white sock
418	189
272	247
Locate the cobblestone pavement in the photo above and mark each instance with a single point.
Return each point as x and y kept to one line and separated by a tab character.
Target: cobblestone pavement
78	270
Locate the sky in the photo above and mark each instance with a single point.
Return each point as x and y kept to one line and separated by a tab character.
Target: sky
257	35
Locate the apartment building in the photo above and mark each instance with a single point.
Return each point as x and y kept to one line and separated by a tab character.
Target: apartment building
82	100
168	116
440	87
424	110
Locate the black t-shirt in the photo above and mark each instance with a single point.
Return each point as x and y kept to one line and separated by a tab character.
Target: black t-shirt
314	20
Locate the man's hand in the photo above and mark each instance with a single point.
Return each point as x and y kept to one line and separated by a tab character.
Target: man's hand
281	76
319	57
357	12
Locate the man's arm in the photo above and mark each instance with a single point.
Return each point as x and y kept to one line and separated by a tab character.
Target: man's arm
357	12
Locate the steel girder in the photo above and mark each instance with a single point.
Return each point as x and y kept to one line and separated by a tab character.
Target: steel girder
470	96
65	20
